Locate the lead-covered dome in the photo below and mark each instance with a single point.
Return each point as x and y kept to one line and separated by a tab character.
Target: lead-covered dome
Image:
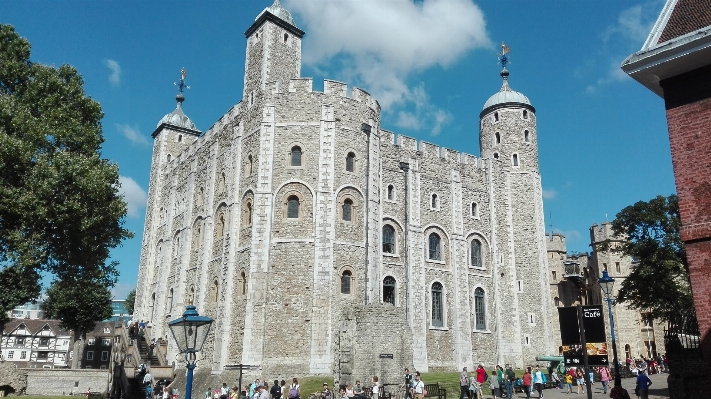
506	95
278	11
177	117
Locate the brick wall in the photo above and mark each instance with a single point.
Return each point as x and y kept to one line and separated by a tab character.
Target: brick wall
688	104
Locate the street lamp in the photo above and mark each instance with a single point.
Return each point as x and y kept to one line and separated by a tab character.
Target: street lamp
606	283
190	333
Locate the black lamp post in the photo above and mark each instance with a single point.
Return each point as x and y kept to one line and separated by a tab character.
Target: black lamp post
190	333
606	283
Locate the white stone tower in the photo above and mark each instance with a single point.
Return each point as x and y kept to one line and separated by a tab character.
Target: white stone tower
508	139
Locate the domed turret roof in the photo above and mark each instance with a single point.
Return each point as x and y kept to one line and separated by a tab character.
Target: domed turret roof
278	11
506	94
177	117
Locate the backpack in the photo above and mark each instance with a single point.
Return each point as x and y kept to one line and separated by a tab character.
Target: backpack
486	377
293	392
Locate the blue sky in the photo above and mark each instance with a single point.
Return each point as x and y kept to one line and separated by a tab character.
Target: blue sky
432	64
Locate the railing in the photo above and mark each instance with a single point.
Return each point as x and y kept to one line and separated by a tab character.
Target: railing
682	336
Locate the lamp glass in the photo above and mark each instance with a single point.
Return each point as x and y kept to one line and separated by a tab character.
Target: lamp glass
191	330
606	283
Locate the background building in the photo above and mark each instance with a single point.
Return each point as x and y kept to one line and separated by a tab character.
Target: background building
36	343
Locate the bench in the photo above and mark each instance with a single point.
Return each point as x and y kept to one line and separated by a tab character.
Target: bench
435	391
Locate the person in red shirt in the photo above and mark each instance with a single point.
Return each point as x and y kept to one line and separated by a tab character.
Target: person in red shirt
527	380
480	374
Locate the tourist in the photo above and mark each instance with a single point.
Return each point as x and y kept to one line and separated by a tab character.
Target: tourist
494	384
418	387
510	380
604	377
294	389
538	380
276	390
464	384
580	380
358	389
617	392
643	383
349	391
342	393
263	392
282	389
527	379
568	383
326	393
407	383
253	388
376	388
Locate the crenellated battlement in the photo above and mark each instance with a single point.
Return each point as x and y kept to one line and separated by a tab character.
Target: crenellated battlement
425	150
602	232
555	242
330	87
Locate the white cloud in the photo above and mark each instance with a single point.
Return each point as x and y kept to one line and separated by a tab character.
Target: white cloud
549	194
133	194
572	235
132	134
115	75
633	24
382	43
120	291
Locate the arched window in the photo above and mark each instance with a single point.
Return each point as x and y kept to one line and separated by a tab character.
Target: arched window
170	300
498	138
180	138
514	159
347	210
479	309
220	226
388	239
213	291
437	310
296	156
475	210
525	114
242	284
201	196
248	166
350	162
391	192
169	157
292	209
475	255
191	295
496	116
526	136
389	290
286	37
346	282
248	214
435	201
628	352
435	243
221	184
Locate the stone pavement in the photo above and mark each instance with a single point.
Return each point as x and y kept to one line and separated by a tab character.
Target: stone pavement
658	390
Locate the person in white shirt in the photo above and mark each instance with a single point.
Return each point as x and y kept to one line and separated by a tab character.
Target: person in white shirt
376	388
538	381
418	387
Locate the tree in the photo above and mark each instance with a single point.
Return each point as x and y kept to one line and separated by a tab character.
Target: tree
60	208
659	283
130	301
78	305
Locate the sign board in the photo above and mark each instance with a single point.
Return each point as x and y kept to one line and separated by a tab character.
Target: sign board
595	338
386	355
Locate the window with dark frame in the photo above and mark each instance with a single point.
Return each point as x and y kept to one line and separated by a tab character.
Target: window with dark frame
347	210
388	239
476	253
346	282
296	156
350	162
292	210
391	192
437	310
435	243
479	309
389	290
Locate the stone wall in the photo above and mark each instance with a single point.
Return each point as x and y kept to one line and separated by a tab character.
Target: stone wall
65	381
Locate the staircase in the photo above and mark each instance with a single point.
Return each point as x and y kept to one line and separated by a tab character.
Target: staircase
143	351
136	390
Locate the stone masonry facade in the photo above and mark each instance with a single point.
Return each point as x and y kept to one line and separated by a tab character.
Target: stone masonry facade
319	241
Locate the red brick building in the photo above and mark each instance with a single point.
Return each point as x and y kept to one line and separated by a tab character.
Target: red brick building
675	63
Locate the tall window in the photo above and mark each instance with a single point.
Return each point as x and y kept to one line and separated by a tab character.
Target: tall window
498	138
242	284
347	210
435	243
90	355
437	311
435	201
388	239
220	226
248	214
346	282
248	166
391	192
526	136
389	290
296	156
213	291
496	116
350	162
525	114
475	210
191	295
475	255
514	160
221	184
292	210
170	300
479	309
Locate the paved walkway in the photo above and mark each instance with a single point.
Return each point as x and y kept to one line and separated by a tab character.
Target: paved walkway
658	390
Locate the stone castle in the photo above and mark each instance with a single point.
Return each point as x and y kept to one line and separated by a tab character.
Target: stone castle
323	244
